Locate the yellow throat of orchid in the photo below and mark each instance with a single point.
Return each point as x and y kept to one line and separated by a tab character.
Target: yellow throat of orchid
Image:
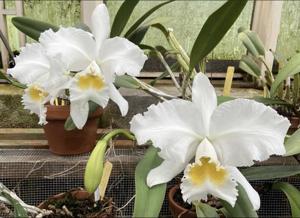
91	81
207	170
36	93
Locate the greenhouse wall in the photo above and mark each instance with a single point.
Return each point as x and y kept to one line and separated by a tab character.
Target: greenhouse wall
186	25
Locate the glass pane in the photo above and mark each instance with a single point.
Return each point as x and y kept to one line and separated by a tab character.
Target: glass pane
187	18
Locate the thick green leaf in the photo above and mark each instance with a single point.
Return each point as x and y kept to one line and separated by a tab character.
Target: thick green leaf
148	201
11	80
242	207
221	99
137	24
214	29
204	210
139	33
271	101
293	195
32	28
126	81
19	211
292	144
248	65
252	42
291	68
270	172
122	17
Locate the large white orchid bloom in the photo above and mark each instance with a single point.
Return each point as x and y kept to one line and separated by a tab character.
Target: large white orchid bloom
45	78
83	51
234	134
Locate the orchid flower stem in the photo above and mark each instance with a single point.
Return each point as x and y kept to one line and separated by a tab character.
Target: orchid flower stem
116	132
270	74
168	69
153	91
174	42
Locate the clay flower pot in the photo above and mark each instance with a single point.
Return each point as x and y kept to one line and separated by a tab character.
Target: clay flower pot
72	142
85	205
295	123
176	209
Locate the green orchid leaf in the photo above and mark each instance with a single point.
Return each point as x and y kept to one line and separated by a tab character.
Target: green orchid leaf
69	124
148	201
214	29
126	81
204	210
122	17
83	26
139	33
221	99
252	42
32	28
292	67
270	172
11	80
242	207
292	144
293	195
94	167
3	76
271	101
19	211
138	23
248	65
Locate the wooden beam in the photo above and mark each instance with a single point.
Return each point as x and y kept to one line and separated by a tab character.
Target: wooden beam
7	11
3	28
20	12
87	7
266	23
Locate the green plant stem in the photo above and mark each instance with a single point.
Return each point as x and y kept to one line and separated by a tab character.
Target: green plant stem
270	74
296	88
153	91
116	132
168	69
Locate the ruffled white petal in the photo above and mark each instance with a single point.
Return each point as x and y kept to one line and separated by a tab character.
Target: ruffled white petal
165	172
36	107
100	24
120	56
204	96
58	80
79	112
79	97
195	193
31	64
76	47
244	130
173	126
252	194
118	99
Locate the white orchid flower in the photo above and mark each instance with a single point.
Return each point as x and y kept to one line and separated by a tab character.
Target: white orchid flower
45	78
223	137
82	51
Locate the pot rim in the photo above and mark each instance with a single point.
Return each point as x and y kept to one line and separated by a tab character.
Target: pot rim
59	112
171	194
75	192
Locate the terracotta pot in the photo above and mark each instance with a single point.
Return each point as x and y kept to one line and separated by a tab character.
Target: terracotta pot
72	142
295	122
79	194
176	209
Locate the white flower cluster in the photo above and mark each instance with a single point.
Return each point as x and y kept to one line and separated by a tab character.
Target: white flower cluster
81	62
